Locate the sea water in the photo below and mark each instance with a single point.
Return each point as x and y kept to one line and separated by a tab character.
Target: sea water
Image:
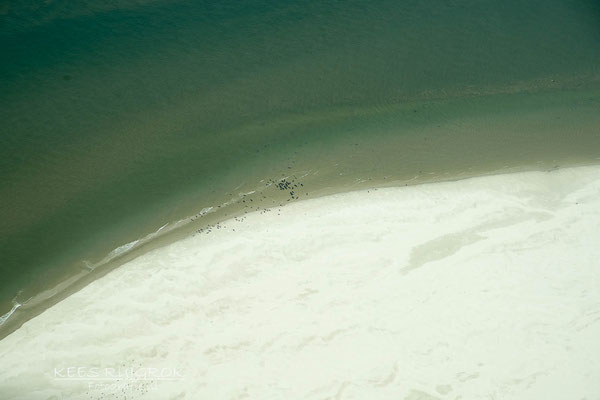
131	123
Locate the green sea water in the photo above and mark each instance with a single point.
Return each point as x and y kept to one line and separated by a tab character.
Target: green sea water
118	118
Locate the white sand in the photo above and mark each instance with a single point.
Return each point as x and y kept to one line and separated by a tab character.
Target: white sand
486	288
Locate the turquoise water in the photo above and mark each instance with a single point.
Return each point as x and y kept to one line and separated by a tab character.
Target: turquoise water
120	118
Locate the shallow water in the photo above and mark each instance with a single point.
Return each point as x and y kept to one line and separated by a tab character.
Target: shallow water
117	120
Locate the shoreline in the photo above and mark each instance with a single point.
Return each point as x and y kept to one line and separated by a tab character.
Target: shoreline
509	252
23	311
479	136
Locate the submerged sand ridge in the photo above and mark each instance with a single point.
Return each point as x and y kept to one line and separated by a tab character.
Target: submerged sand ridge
480	288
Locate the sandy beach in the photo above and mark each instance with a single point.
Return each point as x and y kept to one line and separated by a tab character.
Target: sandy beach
485	288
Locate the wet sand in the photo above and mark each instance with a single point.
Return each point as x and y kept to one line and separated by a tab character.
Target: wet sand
479	288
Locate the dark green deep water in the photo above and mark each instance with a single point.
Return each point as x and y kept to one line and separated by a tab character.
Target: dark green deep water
117	118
